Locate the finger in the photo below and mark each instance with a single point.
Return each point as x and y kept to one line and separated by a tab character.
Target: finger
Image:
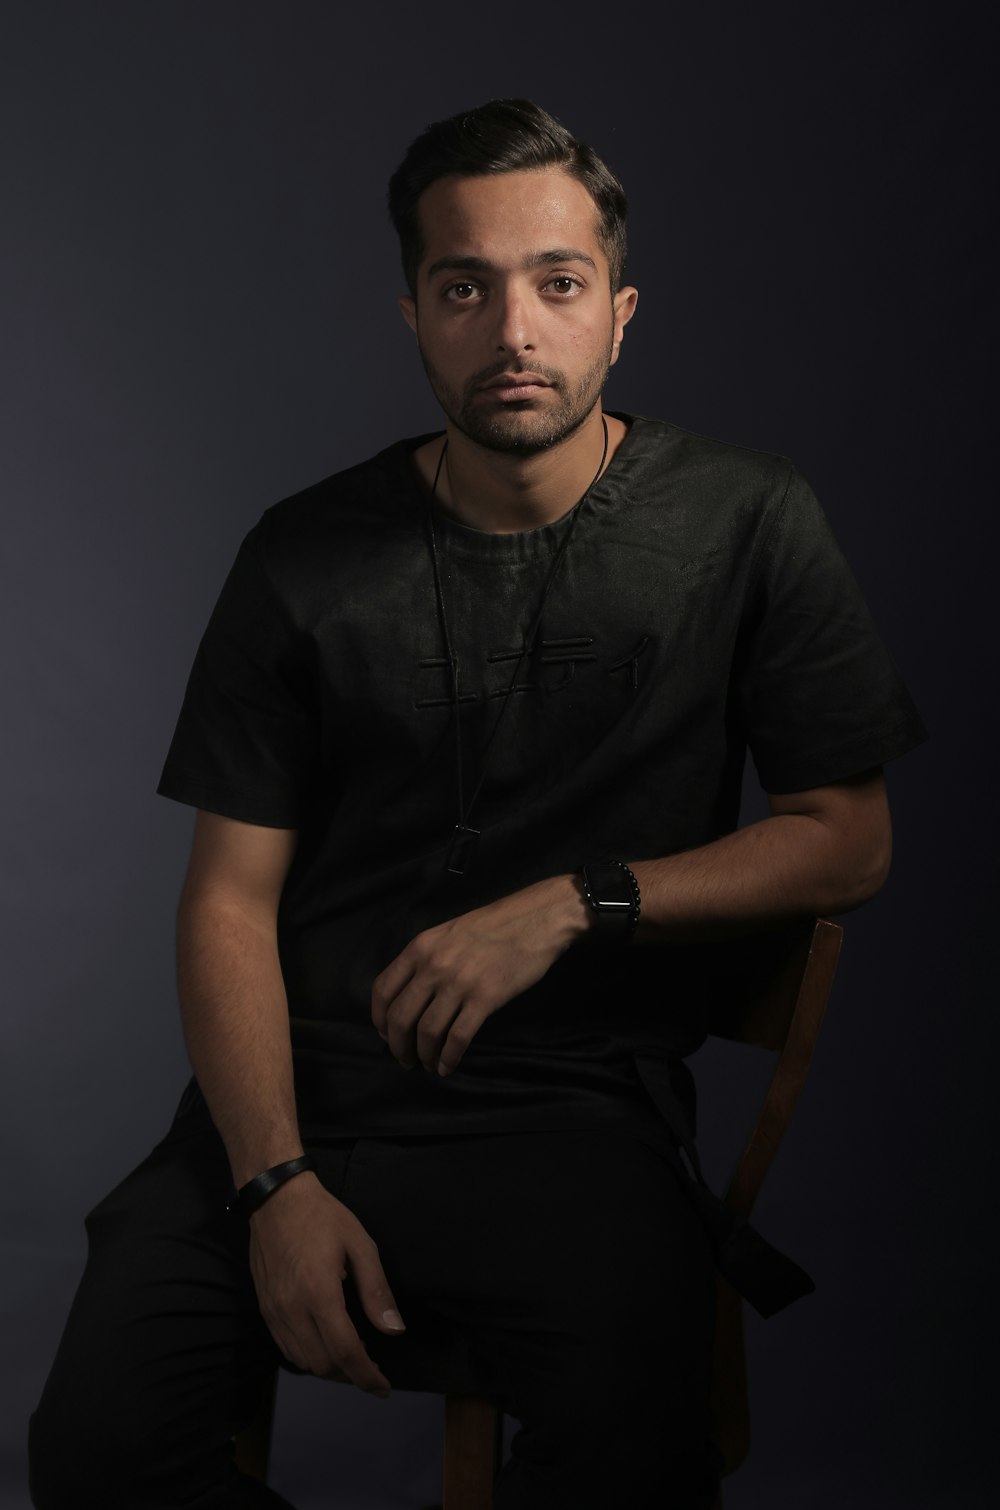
290	1348
463	1030
403	1019
433	1027
387	986
345	1354
300	1342
288	1322
373	1288
313	1330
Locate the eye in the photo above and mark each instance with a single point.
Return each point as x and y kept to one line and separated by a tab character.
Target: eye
564	284
461	292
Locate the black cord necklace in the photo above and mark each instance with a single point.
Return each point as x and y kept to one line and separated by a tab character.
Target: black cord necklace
462	848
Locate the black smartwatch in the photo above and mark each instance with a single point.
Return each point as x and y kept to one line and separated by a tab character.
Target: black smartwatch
613	893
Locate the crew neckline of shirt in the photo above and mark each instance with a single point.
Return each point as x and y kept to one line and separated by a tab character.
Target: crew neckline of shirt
465	539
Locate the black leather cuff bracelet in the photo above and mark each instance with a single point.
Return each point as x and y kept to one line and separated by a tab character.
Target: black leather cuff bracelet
251	1196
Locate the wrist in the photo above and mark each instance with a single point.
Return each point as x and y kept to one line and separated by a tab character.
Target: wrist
572	914
248	1198
280	1208
249	1157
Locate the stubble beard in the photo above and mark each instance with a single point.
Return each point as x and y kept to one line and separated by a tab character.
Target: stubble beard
525	426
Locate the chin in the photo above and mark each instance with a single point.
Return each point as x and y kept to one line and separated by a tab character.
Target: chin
520	429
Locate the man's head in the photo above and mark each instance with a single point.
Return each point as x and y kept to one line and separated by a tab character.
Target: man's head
503	136
513	237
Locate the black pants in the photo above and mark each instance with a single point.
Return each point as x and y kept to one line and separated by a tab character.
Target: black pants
572	1262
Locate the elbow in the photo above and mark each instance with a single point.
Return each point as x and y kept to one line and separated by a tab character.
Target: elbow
866	875
859	827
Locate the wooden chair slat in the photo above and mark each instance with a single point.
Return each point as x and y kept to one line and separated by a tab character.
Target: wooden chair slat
472	1443
815	959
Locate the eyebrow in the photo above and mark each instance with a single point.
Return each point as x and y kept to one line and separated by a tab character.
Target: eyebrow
534	259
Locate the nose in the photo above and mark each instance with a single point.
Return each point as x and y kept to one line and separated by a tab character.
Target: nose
515	330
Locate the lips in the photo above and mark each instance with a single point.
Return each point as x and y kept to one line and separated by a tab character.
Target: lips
516	380
516	385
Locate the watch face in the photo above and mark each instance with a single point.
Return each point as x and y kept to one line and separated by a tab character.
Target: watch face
608	887
613	894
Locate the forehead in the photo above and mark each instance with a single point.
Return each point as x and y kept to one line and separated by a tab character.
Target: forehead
503	217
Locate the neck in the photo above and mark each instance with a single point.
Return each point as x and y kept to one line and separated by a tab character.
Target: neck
501	493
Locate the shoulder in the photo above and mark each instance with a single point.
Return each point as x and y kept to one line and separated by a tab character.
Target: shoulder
703	488
321	529
372	492
663	450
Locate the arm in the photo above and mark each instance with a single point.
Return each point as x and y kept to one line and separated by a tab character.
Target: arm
303	1241
821	851
232	997
825	850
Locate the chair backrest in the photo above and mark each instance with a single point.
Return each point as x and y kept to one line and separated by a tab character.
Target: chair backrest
780	1006
773	999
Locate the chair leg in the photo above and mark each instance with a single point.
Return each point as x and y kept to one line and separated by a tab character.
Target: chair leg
730	1404
472	1434
253	1445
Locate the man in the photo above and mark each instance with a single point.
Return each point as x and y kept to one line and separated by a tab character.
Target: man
465	734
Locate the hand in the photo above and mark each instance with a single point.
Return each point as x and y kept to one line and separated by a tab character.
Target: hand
431	1001
302	1243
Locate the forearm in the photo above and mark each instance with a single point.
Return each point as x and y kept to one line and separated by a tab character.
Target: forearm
819	852
789	865
235	1018
303	1241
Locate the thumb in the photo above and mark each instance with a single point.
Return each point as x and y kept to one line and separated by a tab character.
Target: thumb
376	1296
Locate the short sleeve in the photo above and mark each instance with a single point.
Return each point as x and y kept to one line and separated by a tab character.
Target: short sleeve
247	738
821	696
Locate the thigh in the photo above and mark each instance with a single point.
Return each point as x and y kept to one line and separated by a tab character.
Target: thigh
583	1280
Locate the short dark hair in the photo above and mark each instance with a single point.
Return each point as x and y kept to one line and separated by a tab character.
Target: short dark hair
502	136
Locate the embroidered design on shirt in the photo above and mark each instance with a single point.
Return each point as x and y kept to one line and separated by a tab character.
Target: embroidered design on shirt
550	670
440	663
568	653
631	662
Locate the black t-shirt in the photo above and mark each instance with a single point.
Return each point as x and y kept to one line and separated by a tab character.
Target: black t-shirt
701	607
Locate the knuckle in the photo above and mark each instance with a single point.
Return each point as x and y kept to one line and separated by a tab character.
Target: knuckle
423	948
427	1034
395	1018
459	1038
470	984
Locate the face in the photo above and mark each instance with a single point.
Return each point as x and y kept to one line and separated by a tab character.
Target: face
514	314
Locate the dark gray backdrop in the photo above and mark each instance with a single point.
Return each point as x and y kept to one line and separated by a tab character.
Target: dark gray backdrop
199	318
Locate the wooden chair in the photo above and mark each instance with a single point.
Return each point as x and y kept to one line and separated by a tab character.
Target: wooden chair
770	993
783	1013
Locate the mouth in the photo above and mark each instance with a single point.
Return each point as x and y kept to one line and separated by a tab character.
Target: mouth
512	386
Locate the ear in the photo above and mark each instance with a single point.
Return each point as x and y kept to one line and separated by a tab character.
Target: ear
408	309
623	304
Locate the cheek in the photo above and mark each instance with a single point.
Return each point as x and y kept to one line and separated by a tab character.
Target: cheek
592	343
441	346
449	338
